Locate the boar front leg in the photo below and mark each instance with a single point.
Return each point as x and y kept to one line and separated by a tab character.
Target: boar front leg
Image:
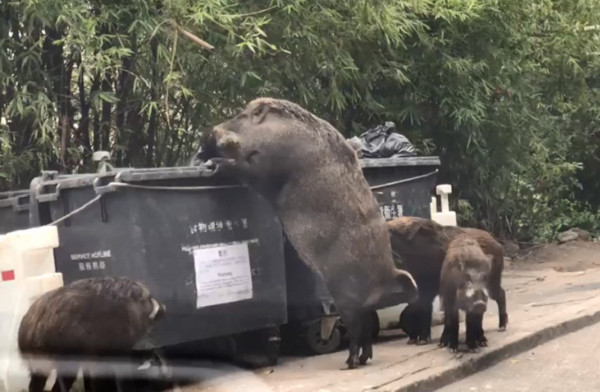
481	339
450	333
475	335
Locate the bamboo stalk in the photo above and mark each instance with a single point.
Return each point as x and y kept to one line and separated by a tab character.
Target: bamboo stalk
192	37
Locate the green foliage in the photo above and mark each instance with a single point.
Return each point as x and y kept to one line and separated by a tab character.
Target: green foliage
504	91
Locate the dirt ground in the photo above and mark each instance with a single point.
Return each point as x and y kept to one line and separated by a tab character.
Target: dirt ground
569	257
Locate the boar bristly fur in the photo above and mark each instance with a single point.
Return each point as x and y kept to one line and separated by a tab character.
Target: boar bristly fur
420	245
312	178
464	286
89	319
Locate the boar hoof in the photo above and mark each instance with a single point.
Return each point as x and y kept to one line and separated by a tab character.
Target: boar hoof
422	342
411	341
482	341
366	354
472	346
502	322
444	340
352	361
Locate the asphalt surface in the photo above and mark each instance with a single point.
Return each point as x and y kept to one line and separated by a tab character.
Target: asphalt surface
569	363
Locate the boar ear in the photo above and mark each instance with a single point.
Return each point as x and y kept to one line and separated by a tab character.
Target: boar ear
260	112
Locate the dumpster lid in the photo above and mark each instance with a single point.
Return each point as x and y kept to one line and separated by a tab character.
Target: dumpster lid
18	200
124	175
401	161
8	194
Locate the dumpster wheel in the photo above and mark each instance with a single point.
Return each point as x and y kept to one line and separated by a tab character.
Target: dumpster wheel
317	344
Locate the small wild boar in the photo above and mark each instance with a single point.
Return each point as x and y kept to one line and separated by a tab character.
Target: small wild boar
85	320
421	246
312	178
464	285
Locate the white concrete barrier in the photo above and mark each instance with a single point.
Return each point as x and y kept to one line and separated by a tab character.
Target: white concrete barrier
26	272
445	217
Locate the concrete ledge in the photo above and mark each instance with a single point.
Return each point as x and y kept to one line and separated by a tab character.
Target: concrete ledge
515	344
542	305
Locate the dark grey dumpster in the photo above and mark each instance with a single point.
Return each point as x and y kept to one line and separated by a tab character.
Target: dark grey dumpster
207	247
14	211
402	186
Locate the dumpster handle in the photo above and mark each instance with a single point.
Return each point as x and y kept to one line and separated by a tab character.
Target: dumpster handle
75	211
387	184
171	188
113	185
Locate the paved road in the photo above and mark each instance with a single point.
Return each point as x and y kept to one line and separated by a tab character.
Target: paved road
570	363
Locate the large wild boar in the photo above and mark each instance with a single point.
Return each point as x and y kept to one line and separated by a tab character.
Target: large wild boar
421	246
463	285
86	320
312	178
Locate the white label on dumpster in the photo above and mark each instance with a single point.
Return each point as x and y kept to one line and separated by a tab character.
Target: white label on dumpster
222	274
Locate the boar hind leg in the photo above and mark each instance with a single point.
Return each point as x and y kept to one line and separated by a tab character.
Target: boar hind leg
425	307
354	323
428	290
475	335
366	340
37	382
497	294
409	322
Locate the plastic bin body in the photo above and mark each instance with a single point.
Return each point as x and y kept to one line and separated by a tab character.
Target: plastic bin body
150	234
14	211
402	186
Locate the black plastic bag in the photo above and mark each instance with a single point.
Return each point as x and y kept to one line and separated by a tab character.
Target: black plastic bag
382	141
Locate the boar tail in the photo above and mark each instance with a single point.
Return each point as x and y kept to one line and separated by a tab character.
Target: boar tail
405	279
401	289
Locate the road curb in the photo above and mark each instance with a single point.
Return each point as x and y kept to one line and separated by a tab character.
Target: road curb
494	355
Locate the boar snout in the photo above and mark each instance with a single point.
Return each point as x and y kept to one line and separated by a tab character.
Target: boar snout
217	143
478	299
227	144
479	307
206	151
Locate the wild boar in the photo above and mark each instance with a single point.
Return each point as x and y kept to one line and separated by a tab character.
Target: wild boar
312	178
464	285
420	245
85	320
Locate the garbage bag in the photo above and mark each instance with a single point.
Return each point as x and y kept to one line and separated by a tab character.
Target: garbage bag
382	141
